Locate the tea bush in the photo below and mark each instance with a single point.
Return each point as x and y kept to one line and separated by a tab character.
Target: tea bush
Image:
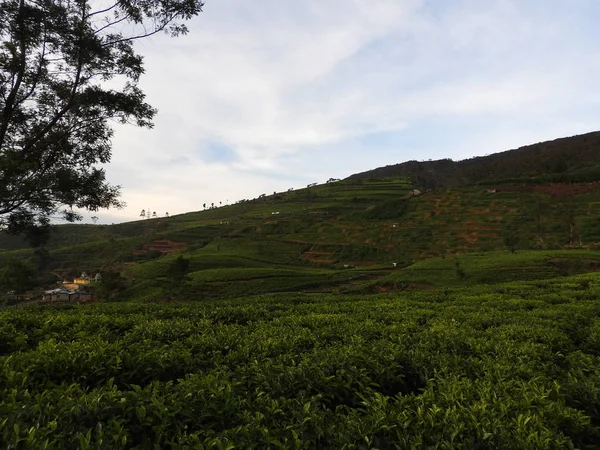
512	366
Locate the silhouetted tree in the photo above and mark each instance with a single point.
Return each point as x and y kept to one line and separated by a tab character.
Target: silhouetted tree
57	103
510	236
568	212
18	275
176	273
109	286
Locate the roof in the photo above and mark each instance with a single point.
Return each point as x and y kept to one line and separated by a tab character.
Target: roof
59	291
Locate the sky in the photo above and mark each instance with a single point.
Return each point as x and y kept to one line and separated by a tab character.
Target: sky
263	96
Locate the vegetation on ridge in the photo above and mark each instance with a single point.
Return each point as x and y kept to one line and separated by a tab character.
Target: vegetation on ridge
564	160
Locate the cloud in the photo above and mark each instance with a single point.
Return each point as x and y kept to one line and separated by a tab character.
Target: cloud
263	96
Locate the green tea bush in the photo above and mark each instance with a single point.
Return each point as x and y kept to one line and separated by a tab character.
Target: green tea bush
511	366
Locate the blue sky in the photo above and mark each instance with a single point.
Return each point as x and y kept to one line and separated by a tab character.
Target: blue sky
263	96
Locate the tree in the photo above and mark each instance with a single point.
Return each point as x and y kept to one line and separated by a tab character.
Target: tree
166	214
143	213
56	105
178	268
17	276
569	212
154	214
540	208
110	286
94	219
510	236
176	275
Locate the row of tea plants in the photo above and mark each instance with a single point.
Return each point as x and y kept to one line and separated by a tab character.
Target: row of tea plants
513	366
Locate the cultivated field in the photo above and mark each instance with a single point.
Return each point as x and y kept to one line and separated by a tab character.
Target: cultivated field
514	365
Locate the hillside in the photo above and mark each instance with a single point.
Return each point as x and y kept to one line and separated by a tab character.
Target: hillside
362	313
337	237
344	236
570	159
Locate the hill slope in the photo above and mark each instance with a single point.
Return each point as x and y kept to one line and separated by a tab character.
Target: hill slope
342	236
575	158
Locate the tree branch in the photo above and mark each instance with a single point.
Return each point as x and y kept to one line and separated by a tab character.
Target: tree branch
141	36
9	105
36	79
102	11
59	115
108	25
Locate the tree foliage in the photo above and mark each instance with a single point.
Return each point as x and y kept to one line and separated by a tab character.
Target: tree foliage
111	284
176	277
178	269
68	71
510	236
18	276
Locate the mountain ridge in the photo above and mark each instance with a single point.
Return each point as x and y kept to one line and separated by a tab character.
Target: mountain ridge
566	159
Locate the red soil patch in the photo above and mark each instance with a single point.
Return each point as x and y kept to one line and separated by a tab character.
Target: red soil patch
161	245
469	238
319	257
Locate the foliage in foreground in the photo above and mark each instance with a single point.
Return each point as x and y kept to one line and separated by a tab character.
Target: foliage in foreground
507	366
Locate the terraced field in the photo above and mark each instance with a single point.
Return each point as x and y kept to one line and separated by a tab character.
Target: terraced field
330	237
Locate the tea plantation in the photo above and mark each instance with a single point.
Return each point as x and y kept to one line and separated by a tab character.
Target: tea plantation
510	365
367	313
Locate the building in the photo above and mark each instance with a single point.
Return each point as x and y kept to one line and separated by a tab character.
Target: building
60	295
82	279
